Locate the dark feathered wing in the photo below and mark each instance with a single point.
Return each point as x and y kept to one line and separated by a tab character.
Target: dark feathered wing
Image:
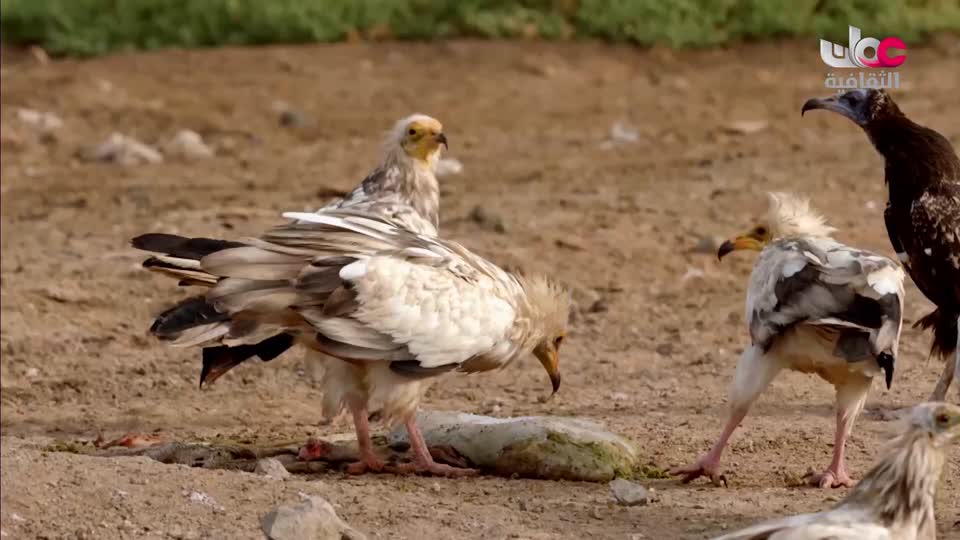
933	260
922	173
858	295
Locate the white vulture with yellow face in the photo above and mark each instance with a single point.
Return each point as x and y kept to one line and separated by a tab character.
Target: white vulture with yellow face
404	187
814	305
391	308
894	500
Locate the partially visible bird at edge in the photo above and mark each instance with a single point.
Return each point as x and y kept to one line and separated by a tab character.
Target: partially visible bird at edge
894	500
922	215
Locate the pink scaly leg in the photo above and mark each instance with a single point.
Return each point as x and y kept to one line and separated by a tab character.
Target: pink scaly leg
369	461
423	462
755	370
709	464
835	474
368	458
850	399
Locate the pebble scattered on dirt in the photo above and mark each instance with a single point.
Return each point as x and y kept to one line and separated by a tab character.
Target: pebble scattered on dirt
123	150
629	493
313	519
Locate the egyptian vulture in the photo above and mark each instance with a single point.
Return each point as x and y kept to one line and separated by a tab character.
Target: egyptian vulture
817	306
395	309
894	501
922	213
402	188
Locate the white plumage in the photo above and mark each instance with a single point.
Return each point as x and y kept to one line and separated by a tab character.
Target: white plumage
813	305
893	501
388	308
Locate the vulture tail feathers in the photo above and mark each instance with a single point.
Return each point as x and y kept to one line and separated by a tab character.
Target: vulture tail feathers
217	361
945	332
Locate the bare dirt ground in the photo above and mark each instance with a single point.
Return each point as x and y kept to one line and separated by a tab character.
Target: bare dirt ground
532	125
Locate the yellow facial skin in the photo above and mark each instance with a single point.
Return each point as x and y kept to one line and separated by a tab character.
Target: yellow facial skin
756	239
422	139
548	352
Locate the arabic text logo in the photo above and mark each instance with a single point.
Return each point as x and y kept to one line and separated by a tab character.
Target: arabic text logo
855	56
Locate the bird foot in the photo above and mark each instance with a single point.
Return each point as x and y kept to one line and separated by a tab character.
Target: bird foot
314	449
366	464
829	479
433	469
703	467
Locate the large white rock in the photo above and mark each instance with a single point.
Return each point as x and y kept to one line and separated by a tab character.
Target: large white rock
530	446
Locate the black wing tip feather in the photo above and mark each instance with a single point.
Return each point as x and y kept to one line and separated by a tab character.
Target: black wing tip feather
180	246
945	332
157	242
186	314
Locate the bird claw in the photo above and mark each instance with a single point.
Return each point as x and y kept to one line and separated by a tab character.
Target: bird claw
698	469
829	479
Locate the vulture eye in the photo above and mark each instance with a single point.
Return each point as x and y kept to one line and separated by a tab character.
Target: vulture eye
558	341
412	131
942	419
761	231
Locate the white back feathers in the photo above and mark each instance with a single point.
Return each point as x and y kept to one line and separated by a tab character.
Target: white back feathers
791	215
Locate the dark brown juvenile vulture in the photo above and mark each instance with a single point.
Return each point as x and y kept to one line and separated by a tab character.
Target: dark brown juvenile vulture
923	211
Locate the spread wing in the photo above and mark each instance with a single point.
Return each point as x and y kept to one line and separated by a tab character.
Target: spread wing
372	291
822	282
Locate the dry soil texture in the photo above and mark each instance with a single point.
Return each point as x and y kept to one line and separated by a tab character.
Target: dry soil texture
617	218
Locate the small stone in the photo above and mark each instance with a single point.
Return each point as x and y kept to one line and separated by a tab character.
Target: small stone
32	372
290	117
665	349
17	517
692	273
43	121
628	493
488	219
123	150
745	127
448	167
189	145
202	498
271	468
622	132
313	519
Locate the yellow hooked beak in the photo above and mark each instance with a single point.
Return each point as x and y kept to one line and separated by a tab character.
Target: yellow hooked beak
740	242
549	356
